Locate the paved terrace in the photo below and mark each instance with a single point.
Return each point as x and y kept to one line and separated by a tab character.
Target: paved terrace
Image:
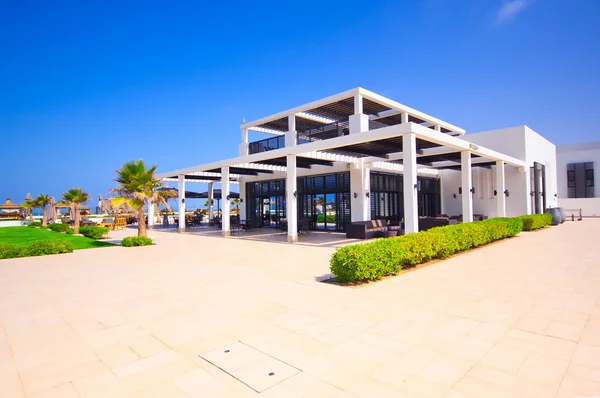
520	318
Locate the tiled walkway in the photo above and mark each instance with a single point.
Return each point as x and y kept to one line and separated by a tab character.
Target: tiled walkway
520	318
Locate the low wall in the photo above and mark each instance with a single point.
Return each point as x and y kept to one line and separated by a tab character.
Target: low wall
13	223
590	207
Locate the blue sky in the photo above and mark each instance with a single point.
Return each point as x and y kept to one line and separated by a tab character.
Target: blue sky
86	86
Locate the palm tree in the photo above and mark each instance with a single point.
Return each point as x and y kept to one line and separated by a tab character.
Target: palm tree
137	186
73	198
42	201
236	202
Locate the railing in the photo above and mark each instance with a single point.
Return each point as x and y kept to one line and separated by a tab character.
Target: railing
324	132
266	145
374	125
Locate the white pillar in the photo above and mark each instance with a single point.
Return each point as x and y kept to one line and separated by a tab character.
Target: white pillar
437	127
242	200
411	211
500	188
404	117
225	227
360	185
358	122
181	203
291	200
150	214
211	196
243	147
290	135
467	184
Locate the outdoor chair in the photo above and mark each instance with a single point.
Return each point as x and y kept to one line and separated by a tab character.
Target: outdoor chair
120	223
108	223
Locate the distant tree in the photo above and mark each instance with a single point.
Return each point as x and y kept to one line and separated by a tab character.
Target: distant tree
73	198
42	201
28	206
137	188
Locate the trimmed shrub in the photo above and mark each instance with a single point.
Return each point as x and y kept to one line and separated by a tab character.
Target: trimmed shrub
39	248
536	221
70	231
45	247
8	251
131	241
93	232
58	227
374	260
35	224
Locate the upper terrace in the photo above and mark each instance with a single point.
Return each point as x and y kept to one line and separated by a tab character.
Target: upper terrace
352	111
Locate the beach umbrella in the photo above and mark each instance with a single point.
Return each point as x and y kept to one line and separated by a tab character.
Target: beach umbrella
52	210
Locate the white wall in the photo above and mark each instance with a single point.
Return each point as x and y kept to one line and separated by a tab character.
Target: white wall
577	153
590	207
525	144
539	149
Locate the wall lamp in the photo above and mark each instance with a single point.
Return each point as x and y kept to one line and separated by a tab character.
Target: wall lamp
495	193
228	197
472	190
295	194
460	190
454	195
355	195
506	192
241	200
182	200
368	194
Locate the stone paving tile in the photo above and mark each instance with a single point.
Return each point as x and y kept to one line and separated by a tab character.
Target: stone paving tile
130	323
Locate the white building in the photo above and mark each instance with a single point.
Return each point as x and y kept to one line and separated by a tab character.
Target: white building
352	155
578	164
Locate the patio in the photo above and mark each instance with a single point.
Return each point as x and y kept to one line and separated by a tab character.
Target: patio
520	318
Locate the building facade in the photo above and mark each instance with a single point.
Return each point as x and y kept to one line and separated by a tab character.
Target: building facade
578	167
357	156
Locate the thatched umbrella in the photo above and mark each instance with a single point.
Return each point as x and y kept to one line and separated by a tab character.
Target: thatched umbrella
52	210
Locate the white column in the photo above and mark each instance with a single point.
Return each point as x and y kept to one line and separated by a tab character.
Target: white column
243	147
225	230
150	214
437	127
467	184
360	184
242	199
411	211
500	188
211	196
291	200
404	117
290	135
358	122
181	203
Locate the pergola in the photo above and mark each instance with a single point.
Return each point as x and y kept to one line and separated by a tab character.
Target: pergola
363	130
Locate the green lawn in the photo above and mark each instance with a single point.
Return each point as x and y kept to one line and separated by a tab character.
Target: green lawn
22	236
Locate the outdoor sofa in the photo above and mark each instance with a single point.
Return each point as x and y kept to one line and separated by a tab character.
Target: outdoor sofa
371	229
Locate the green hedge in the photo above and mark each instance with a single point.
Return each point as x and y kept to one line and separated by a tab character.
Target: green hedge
374	260
536	221
93	232
131	241
39	248
35	224
59	227
330	218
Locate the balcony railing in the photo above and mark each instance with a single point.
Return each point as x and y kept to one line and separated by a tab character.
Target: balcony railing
374	125
324	132
266	145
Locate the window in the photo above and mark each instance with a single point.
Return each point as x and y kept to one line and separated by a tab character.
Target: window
571	178
589	178
580	180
